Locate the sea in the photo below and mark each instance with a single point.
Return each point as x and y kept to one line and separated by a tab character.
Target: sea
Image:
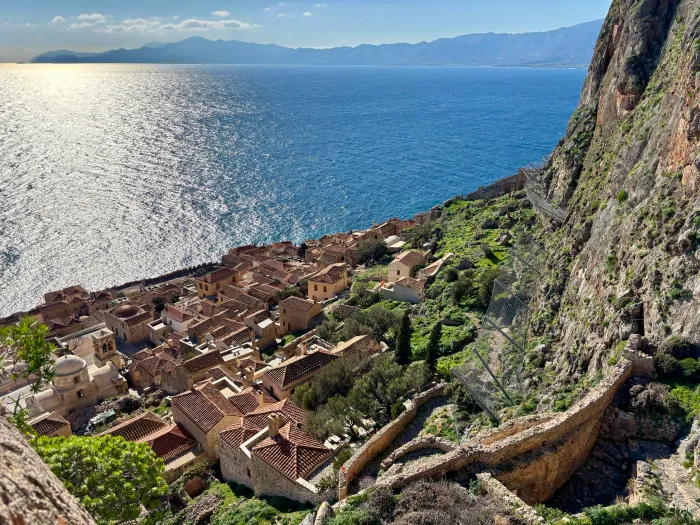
115	173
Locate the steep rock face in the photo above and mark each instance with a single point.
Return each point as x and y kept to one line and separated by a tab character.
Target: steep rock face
29	492
625	261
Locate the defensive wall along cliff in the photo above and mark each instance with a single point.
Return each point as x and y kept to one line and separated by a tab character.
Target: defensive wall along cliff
531	456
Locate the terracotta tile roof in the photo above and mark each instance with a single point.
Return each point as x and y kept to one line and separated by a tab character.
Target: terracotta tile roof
331	274
363	344
410	282
297	304
48	424
170	442
176	314
410	258
294	453
259	316
203	362
141	355
137	428
299	367
201	410
286	408
153	365
237	294
239	337
238	433
216	275
262	294
215	396
247	401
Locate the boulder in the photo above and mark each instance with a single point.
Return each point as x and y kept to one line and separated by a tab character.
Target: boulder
624	426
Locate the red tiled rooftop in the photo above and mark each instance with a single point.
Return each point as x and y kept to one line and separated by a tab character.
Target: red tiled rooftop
47	424
137	428
294	452
299	367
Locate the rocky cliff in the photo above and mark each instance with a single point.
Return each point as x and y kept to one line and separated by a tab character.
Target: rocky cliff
625	261
29	491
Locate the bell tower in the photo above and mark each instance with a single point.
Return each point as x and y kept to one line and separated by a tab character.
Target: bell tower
105	349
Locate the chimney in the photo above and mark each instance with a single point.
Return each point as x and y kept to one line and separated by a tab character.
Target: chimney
274	422
303	348
261	399
250	375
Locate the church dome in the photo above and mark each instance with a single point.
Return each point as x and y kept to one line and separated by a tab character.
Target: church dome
125	311
69	365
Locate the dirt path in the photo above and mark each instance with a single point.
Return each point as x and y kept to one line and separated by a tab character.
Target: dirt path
369	475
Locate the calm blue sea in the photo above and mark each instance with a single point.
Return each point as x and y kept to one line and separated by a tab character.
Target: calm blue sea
110	173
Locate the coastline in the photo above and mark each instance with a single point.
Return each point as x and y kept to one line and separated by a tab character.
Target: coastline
496	189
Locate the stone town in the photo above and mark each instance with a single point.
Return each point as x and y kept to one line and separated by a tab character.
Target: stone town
228	345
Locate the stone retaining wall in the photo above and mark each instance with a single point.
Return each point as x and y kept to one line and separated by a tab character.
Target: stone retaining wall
382	439
538	460
422	443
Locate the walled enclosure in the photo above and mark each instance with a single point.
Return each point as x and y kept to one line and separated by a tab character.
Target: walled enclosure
532	456
382	439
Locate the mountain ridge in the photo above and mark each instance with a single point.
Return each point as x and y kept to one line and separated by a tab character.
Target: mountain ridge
563	47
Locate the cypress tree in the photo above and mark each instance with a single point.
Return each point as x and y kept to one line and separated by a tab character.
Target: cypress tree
403	344
434	346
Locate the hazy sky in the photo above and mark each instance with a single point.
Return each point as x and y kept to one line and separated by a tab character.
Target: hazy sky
29	27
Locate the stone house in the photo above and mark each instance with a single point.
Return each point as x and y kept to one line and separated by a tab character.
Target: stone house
179	377
263	326
210	284
147	367
63	326
170	442
176	318
237	294
76	386
406	289
129	321
51	424
274	457
281	381
432	269
68	302
296	314
204	412
328	283
404	265
360	345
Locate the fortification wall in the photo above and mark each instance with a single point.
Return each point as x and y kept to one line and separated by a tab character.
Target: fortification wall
382	439
533	457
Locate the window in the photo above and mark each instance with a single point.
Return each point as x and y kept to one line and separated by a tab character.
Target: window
76	380
398	272
325	289
315	288
247	471
80	393
284	311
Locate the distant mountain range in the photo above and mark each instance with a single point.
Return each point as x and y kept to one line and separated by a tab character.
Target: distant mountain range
565	47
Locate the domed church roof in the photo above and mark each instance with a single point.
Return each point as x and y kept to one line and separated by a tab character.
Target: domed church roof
69	365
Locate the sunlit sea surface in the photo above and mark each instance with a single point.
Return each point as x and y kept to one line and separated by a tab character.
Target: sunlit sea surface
111	173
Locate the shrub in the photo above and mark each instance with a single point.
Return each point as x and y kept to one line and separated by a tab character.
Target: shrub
667	366
397	409
622	196
690	368
371	250
485	282
341	458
